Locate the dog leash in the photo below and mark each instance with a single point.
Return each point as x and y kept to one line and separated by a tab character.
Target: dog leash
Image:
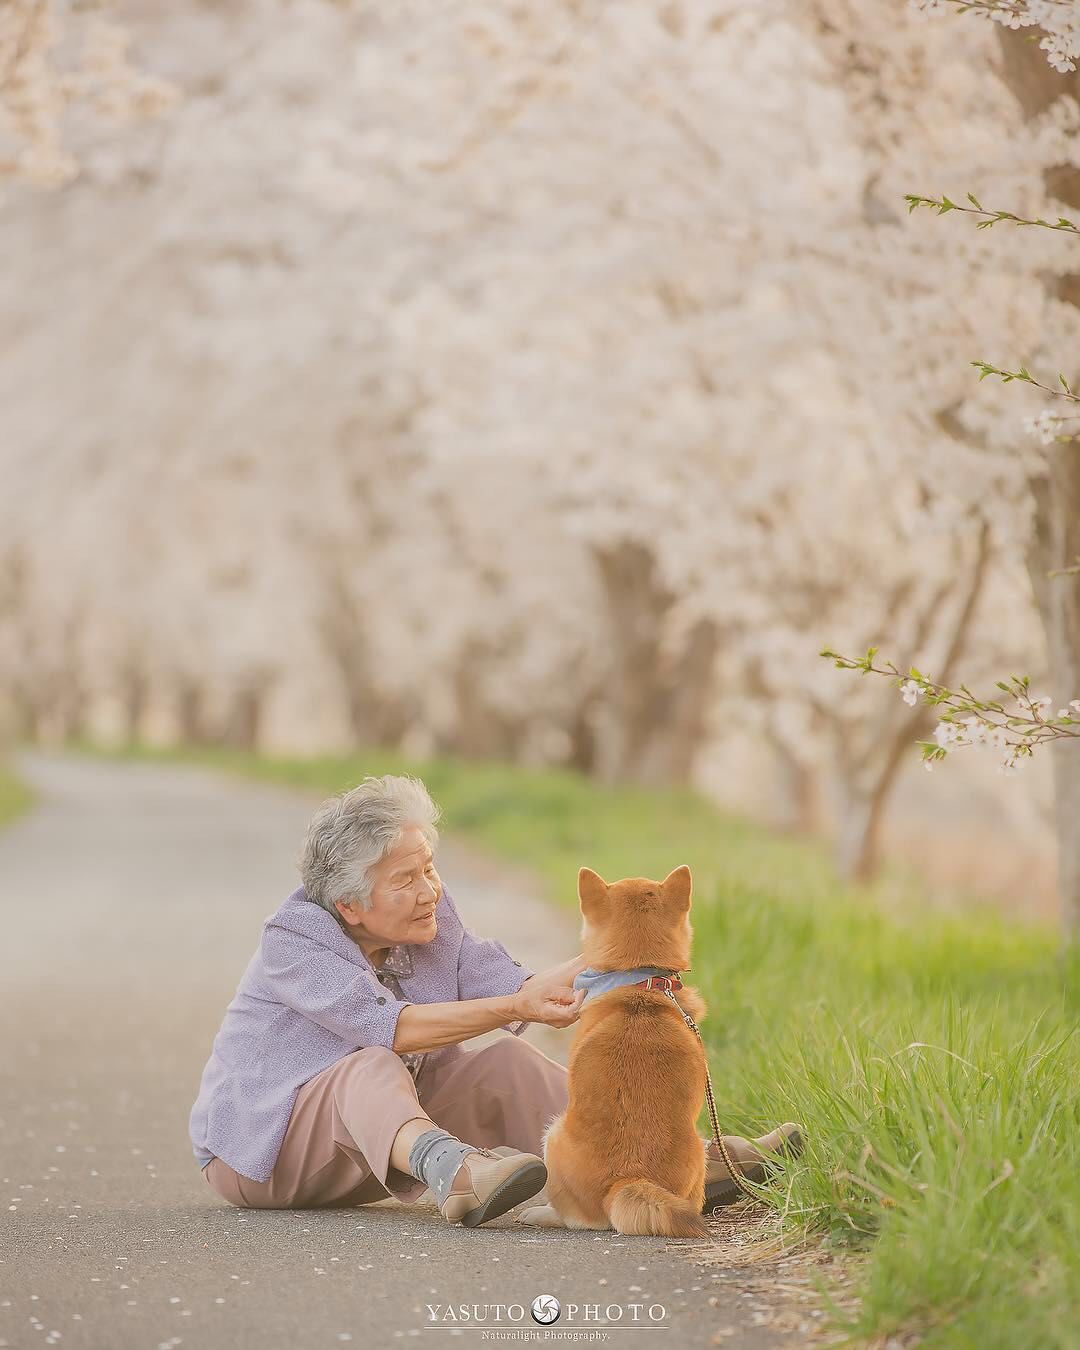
666	984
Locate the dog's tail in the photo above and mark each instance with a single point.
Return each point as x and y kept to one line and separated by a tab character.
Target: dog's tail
646	1210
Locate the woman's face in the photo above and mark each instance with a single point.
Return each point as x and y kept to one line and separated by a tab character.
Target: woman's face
405	890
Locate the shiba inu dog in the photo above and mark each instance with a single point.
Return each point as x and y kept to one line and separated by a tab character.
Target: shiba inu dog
626	1153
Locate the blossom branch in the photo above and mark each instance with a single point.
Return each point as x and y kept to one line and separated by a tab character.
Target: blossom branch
1026	376
968	720
1057	18
1046	425
944	205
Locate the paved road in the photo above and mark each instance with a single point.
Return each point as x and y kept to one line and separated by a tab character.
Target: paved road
131	900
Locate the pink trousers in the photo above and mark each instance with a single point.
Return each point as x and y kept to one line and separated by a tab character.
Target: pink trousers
336	1150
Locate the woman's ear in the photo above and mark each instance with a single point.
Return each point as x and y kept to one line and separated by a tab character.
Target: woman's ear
350	912
592	890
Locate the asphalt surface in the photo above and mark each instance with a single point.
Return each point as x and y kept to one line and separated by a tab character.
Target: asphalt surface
131	900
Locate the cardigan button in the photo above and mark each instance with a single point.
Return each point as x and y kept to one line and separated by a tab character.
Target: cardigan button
380	999
517	963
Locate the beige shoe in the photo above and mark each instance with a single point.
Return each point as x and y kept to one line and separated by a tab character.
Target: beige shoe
750	1157
541	1196
489	1182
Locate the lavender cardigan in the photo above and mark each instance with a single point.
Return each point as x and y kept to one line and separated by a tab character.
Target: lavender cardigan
310	996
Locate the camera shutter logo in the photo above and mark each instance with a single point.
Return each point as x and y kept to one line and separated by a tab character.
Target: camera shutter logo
546	1309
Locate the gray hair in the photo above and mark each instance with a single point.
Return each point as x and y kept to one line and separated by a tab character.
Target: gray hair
350	833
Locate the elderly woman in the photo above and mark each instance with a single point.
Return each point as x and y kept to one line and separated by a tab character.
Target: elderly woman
338	1076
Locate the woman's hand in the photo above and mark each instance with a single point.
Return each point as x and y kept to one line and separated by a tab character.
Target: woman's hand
550	997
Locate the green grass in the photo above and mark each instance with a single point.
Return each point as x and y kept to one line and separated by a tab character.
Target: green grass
15	796
933	1060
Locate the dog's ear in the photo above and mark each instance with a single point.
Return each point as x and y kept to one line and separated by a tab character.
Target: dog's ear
591	888
678	885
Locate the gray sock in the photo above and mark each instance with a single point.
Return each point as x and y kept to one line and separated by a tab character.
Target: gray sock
435	1158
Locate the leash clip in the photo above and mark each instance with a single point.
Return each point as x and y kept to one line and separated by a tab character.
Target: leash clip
682	1011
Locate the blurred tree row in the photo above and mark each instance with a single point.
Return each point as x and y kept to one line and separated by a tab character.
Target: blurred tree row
544	383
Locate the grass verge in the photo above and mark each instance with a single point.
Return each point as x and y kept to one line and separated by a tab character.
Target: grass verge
933	1059
15	796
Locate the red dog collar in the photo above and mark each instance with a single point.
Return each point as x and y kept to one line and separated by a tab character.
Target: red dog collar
659	982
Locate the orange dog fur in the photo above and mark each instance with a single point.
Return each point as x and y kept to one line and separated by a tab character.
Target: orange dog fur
626	1153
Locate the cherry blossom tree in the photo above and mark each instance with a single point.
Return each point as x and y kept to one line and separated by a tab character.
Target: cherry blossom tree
539	383
1046	95
1059	21
617	485
56	56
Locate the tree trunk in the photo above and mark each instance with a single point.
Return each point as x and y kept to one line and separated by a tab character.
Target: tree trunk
243	722
135	696
866	794
1055	542
582	737
637	607
858	839
71	694
857	849
27	712
191	712
482	731
651	716
373	717
798	807
683	710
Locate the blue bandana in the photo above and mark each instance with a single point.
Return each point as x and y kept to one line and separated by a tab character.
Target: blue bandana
596	982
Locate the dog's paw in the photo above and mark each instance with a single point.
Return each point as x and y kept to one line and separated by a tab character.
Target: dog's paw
541	1216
